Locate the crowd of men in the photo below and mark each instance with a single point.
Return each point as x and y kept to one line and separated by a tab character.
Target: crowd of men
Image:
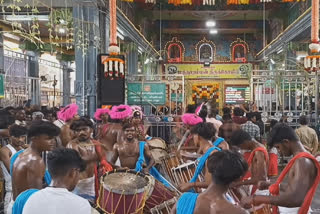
51	162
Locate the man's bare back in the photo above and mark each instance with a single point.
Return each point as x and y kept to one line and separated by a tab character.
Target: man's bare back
220	206
27	173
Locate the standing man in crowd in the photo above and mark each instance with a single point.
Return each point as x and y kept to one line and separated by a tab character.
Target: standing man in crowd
65	166
18	136
307	136
250	127
27	167
91	152
303	173
21	117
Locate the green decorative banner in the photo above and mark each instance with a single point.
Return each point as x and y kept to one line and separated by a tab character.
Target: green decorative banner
1	86
175	98
146	93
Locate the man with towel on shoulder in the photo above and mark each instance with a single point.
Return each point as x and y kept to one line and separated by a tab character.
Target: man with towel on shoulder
27	168
303	172
225	167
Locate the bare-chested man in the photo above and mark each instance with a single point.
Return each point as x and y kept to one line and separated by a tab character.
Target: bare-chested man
91	152
202	135
67	115
258	160
18	136
213	200
102	116
27	167
128	150
113	132
302	171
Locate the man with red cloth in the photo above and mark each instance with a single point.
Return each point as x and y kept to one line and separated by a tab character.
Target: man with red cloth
303	176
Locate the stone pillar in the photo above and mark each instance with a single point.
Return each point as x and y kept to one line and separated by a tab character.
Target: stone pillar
86	60
33	73
133	60
66	83
1	54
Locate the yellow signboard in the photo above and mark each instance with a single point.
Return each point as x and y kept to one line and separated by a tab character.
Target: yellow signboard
221	71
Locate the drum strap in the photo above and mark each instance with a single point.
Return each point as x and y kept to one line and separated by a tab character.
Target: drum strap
250	159
274	189
218	141
47	176
153	171
202	163
187	203
21	200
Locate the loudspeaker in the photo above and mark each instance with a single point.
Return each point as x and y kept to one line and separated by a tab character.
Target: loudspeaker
110	88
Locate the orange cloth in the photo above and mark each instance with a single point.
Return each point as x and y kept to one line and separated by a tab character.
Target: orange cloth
274	189
106	167
249	159
273	164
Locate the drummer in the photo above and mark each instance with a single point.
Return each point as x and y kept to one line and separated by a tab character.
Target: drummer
202	135
137	121
225	167
258	160
128	151
113	129
90	151
102	116
189	120
134	154
67	115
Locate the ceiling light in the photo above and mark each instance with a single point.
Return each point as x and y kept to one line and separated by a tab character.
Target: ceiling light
214	31
272	61
62	30
210	23
120	36
147	61
280	51
27	17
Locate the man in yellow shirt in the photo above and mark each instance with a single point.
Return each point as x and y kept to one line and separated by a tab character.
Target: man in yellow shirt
307	135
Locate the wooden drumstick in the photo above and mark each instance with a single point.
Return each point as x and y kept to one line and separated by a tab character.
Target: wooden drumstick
184	138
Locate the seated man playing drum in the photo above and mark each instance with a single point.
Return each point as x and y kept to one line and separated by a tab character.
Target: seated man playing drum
134	154
202	134
128	151
225	167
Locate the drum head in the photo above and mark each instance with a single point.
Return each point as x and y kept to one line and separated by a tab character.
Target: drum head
125	182
151	184
157	143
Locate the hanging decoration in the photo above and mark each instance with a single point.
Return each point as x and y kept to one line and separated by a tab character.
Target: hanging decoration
205	51
239	50
209	2
175	50
180	2
312	62
113	65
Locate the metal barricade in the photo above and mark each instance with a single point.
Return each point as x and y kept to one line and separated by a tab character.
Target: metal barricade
284	94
